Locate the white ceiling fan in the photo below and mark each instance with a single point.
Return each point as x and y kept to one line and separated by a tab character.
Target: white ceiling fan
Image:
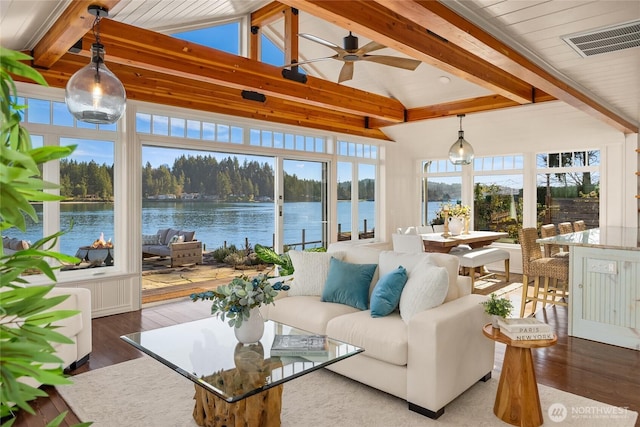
351	53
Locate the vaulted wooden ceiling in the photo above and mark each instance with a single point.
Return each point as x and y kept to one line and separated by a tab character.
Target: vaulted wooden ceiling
161	69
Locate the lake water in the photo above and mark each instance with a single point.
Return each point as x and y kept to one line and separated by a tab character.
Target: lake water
215	223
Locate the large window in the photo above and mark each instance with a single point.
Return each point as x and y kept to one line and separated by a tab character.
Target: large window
86	182
568	187
227	199
224	37
356	204
441	184
86	215
497	194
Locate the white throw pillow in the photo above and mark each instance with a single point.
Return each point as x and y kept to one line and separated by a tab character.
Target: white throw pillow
310	271
390	260
426	288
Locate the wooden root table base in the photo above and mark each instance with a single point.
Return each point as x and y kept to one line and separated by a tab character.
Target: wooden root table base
260	410
517	399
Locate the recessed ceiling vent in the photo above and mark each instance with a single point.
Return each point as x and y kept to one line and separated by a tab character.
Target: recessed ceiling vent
605	40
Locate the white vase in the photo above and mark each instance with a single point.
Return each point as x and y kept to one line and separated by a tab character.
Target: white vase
456	225
251	330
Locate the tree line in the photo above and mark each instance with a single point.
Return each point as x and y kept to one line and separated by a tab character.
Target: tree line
205	176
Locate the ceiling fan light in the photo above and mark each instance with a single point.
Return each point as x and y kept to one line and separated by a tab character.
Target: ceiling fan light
461	152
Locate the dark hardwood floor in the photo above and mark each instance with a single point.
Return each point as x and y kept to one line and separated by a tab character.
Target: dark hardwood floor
598	371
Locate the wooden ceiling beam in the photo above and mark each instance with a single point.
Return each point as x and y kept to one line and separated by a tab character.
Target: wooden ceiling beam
72	25
168	89
463	106
467	106
435	16
132	46
268	14
376	22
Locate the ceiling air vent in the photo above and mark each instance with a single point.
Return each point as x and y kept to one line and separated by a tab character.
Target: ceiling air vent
605	40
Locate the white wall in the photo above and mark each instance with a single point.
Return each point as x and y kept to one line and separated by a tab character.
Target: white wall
551	126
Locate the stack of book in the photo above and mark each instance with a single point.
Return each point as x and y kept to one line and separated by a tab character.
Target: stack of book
525	329
300	345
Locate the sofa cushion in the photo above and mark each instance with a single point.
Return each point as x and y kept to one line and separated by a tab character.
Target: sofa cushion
149	239
426	288
307	312
348	283
383	338
390	260
310	271
358	254
386	293
158	250
188	235
162	236
169	236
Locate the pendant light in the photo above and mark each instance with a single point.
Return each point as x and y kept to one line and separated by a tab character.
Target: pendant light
461	152
94	94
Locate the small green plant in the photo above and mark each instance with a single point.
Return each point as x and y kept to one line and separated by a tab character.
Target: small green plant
285	266
498	306
222	252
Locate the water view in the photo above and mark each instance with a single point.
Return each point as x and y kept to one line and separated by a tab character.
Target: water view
214	222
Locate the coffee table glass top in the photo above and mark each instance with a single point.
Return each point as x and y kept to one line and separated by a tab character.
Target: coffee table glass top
207	352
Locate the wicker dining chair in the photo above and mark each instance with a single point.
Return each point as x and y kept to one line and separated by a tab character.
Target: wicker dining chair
579	226
554	271
551	250
565	228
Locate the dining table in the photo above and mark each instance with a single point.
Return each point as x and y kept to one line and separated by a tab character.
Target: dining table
436	242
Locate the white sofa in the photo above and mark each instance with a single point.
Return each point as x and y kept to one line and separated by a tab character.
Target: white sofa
430	361
77	327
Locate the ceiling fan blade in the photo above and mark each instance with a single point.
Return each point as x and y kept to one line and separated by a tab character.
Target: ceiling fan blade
393	61
322	42
370	47
346	73
309	61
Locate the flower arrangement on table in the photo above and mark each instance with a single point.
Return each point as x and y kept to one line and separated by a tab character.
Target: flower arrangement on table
452	211
235	300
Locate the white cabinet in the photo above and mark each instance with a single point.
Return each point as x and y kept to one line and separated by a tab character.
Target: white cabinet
605	295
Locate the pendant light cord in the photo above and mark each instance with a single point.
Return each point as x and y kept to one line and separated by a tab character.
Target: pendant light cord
96	29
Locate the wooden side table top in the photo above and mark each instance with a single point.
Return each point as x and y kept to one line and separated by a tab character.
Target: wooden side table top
495	334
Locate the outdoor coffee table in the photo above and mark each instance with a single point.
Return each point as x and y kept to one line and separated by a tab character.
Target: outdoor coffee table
235	384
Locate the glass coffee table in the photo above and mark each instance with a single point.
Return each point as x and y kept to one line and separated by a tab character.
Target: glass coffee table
233	382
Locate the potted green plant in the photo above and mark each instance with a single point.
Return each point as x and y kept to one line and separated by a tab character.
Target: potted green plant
285	266
238	302
497	307
27	321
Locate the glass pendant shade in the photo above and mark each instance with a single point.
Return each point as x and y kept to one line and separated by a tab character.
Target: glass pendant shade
461	152
94	94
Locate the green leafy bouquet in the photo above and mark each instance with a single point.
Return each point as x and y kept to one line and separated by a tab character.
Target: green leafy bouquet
235	300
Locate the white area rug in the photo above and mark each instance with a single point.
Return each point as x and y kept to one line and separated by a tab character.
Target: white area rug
143	392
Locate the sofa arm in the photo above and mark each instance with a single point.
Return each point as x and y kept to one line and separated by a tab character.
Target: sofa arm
186	253
80	298
447	352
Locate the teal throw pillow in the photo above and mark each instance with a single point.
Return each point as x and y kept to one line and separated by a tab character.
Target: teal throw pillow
386	294
348	283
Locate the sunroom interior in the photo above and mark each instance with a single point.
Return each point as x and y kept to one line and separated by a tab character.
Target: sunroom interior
526	96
